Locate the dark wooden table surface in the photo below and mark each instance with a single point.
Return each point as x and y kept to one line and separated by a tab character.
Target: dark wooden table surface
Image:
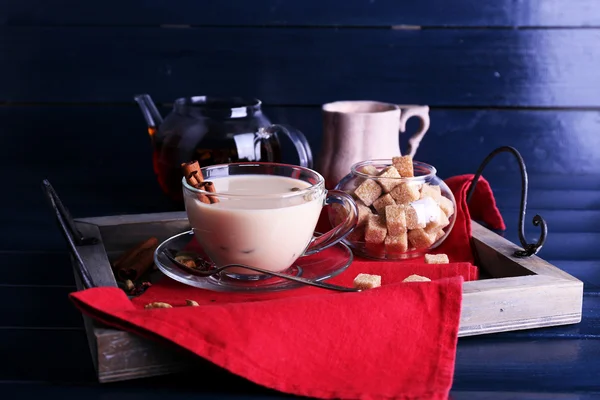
495	72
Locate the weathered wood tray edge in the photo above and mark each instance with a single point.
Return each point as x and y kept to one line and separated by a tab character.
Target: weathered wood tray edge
523	293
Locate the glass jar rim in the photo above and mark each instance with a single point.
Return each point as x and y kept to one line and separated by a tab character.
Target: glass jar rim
314	186
432	171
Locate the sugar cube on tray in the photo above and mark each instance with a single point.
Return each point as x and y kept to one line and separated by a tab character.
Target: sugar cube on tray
367	281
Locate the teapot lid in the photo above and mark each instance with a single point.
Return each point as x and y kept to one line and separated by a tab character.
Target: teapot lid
217	107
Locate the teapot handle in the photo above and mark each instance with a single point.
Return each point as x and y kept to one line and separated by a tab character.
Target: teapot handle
297	138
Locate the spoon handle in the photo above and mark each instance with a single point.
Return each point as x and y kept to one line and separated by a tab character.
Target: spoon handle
305	281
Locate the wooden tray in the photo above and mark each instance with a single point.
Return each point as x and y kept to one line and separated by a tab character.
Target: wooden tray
521	293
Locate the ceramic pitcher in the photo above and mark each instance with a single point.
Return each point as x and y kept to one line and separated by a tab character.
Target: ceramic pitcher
354	131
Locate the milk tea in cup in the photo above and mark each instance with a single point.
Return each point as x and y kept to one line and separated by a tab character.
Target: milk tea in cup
265	216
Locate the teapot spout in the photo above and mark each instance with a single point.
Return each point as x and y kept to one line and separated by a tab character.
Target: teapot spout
149	111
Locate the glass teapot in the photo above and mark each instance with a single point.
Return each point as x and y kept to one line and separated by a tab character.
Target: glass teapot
212	131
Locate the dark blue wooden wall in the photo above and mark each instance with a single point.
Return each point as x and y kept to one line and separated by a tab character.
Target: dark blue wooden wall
495	72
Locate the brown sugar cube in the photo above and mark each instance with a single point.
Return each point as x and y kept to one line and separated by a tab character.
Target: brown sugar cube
433	191
416	278
436	259
369	170
357	234
339	213
446	205
368	191
367	281
412	219
439	234
363	213
381	203
397	243
388	179
420	239
404	165
405	192
375	231
441	221
395	219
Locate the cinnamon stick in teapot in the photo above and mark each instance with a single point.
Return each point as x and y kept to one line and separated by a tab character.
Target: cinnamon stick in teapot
193	176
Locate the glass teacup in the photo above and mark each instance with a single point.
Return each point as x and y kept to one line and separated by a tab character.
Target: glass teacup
263	215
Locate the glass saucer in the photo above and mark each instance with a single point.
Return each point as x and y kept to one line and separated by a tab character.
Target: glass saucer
318	267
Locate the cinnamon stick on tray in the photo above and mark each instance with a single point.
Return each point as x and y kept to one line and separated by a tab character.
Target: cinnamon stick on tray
136	261
193	176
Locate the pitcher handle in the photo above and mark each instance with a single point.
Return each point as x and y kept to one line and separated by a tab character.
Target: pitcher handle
407	112
341	230
299	141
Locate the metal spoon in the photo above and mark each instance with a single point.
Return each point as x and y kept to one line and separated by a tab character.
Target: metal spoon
214	271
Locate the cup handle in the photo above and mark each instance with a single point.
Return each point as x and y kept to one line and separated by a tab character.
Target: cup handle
299	141
407	112
340	231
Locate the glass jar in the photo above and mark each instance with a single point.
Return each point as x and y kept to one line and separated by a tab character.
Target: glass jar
399	217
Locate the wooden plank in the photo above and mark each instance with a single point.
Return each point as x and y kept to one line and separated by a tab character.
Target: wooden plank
26	211
31	306
524	302
88	323
136	220
544	365
580	242
23	267
559	245
48	307
569	221
183	387
328	12
143	358
555	199
37	268
480	67
120	355
119	238
508	395
549	181
527	293
497	255
588	327
174	386
45	354
561	220
95	257
552	142
586	271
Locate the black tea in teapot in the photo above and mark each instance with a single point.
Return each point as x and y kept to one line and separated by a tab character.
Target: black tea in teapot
213	131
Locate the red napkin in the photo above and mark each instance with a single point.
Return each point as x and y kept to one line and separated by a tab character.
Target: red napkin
396	341
482	207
